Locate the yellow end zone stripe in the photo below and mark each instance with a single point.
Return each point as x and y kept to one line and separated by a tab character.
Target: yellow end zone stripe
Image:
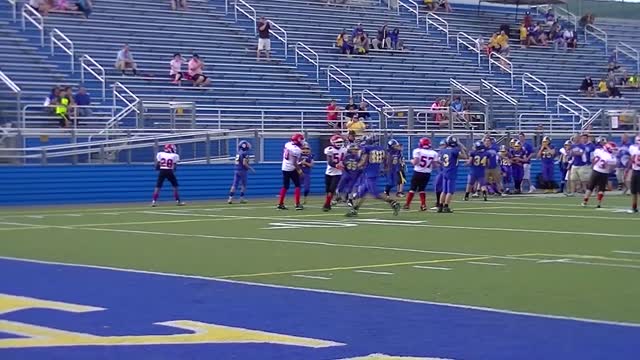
437	261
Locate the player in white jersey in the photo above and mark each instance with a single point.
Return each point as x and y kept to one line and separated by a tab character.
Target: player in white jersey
335	154
166	162
291	171
603	163
424	160
634	167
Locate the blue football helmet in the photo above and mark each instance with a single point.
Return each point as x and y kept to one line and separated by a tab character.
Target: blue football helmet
478	145
452	141
244	145
393	144
443	142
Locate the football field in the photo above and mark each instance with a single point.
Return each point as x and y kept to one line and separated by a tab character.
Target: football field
492	280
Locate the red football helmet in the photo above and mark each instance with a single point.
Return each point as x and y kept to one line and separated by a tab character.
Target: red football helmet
170	148
297	139
610	147
425	143
337	141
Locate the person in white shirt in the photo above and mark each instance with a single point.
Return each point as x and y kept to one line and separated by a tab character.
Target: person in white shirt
176	68
335	154
166	162
125	60
291	171
424	160
634	166
603	163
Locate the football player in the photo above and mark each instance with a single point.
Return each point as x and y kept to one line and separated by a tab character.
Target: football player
291	171
623	158
603	163
580	170
240	171
449	163
394	163
335	154
438	183
492	172
526	162
306	163
424	159
505	168
351	173
547	154
166	162
564	163
478	159
372	161
518	157
634	167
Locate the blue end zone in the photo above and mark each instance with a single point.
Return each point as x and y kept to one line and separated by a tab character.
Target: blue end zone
134	301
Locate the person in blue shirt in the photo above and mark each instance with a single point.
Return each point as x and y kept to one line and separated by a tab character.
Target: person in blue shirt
526	164
439	178
83	101
306	163
449	165
394	164
478	159
505	168
351	173
518	157
580	170
492	171
241	168
372	163
547	155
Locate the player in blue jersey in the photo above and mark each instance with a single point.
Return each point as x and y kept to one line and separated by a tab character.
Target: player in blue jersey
580	170
492	171
372	162
547	155
505	168
306	164
394	163
519	157
477	162
351	173
449	164
438	183
240	171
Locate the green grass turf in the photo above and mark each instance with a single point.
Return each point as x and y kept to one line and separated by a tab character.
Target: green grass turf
590	280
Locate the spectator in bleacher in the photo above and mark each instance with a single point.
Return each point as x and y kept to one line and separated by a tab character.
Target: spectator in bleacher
499	43
333	115
125	60
264	38
441	119
603	91
587	86
63	104
196	71
363	112
85	7
614	91
351	109
382	40
536	36
444	4
361	44
527	20
430	4
357	31
356	125
41	6
633	81
51	100
569	39
176	68
550	17
82	100
587	19
178	5
340	39
613	62
523	35
396	43
554	32
347	45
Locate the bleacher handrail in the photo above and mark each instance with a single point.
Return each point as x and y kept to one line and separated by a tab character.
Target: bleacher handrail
385	108
460	39
544	90
591	119
584	112
348	85
73	112
499	92
414	8
102	78
571	17
16	90
444	28
14	8
69	48
315	61
468	92
598	34
282	36
253	17
545	119
28	13
504	64
634	54
130	106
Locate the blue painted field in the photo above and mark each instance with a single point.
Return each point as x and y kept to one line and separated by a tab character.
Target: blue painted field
50	311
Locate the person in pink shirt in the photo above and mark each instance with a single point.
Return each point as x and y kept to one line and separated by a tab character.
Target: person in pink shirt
176	68
196	67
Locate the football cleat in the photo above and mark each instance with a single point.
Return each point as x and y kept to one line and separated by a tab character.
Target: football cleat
435	208
447	210
154	203
400	195
440	209
396	208
598	206
350	203
281	207
229	201
632	211
243	201
352	213
180	203
326	208
406	207
299	207
584	204
423	208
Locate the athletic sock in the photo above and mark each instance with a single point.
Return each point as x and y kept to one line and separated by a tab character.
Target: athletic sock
423	199
231	193
586	199
484	194
634	205
409	198
176	195
306	193
283	193
296	195
155	195
600	196
327	200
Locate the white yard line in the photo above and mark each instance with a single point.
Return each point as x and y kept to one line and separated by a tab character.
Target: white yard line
388	298
312	277
431	267
626	252
484	263
373	272
623	218
552	261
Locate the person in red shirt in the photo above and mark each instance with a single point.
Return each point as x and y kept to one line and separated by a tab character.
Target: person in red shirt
333	114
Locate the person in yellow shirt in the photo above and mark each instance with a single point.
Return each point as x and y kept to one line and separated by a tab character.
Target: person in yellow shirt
523	35
356	125
603	90
340	39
